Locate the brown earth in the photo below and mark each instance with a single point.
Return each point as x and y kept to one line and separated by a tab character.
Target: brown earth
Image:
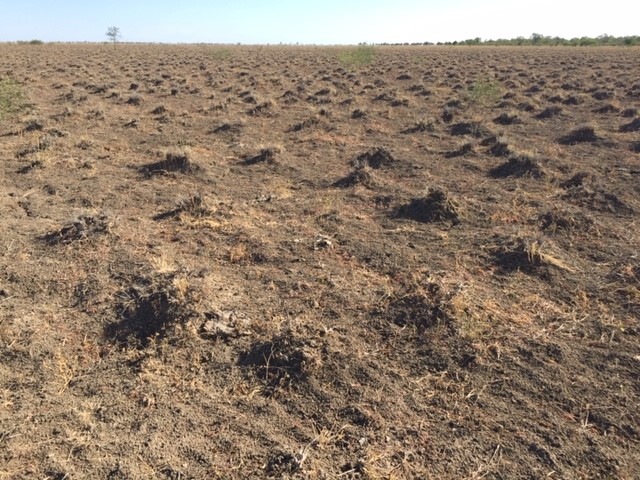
264	263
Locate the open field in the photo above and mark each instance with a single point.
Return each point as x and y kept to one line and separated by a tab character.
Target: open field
272	262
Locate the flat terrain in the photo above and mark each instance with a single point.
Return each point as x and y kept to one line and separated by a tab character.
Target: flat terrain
282	262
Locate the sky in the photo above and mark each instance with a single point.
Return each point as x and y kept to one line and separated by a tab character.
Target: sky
312	21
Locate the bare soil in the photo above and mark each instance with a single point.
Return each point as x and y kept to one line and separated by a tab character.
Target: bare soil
236	263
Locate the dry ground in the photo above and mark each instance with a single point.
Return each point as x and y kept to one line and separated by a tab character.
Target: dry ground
230	262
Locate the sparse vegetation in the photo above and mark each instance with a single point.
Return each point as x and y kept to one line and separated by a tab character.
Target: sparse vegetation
357	56
113	34
12	97
484	91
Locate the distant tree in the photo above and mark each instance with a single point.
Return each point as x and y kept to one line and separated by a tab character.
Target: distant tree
536	38
113	33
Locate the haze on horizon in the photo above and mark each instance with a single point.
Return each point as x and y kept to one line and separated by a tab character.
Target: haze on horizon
313	21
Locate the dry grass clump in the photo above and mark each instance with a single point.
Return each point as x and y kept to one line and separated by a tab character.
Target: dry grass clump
41	145
375	158
568	221
361	176
174	161
421	126
465	149
474	129
549	112
507	119
81	228
266	155
195	206
523	253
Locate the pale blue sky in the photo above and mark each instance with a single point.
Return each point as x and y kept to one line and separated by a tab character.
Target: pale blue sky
313	21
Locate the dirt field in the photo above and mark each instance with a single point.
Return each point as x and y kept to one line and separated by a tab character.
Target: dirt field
278	262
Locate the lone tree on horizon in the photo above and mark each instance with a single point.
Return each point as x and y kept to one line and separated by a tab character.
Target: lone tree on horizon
114	34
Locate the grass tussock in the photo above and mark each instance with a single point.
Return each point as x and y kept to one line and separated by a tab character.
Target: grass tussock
12	97
174	161
357	57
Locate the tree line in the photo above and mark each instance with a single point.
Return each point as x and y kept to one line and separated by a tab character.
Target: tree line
538	39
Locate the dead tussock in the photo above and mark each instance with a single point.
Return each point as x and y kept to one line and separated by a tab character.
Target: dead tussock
474	129
249	251
362	176
568	221
267	155
454	300
585	190
528	254
178	160
421	126
80	229
466	148
42	144
230	128
196	209
285	360
376	158
436	206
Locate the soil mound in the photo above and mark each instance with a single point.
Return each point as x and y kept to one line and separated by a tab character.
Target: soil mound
521	166
530	255
152	307
361	176
549	112
506	119
266	155
633	126
375	158
584	134
279	362
436	206
469	128
179	161
567	221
